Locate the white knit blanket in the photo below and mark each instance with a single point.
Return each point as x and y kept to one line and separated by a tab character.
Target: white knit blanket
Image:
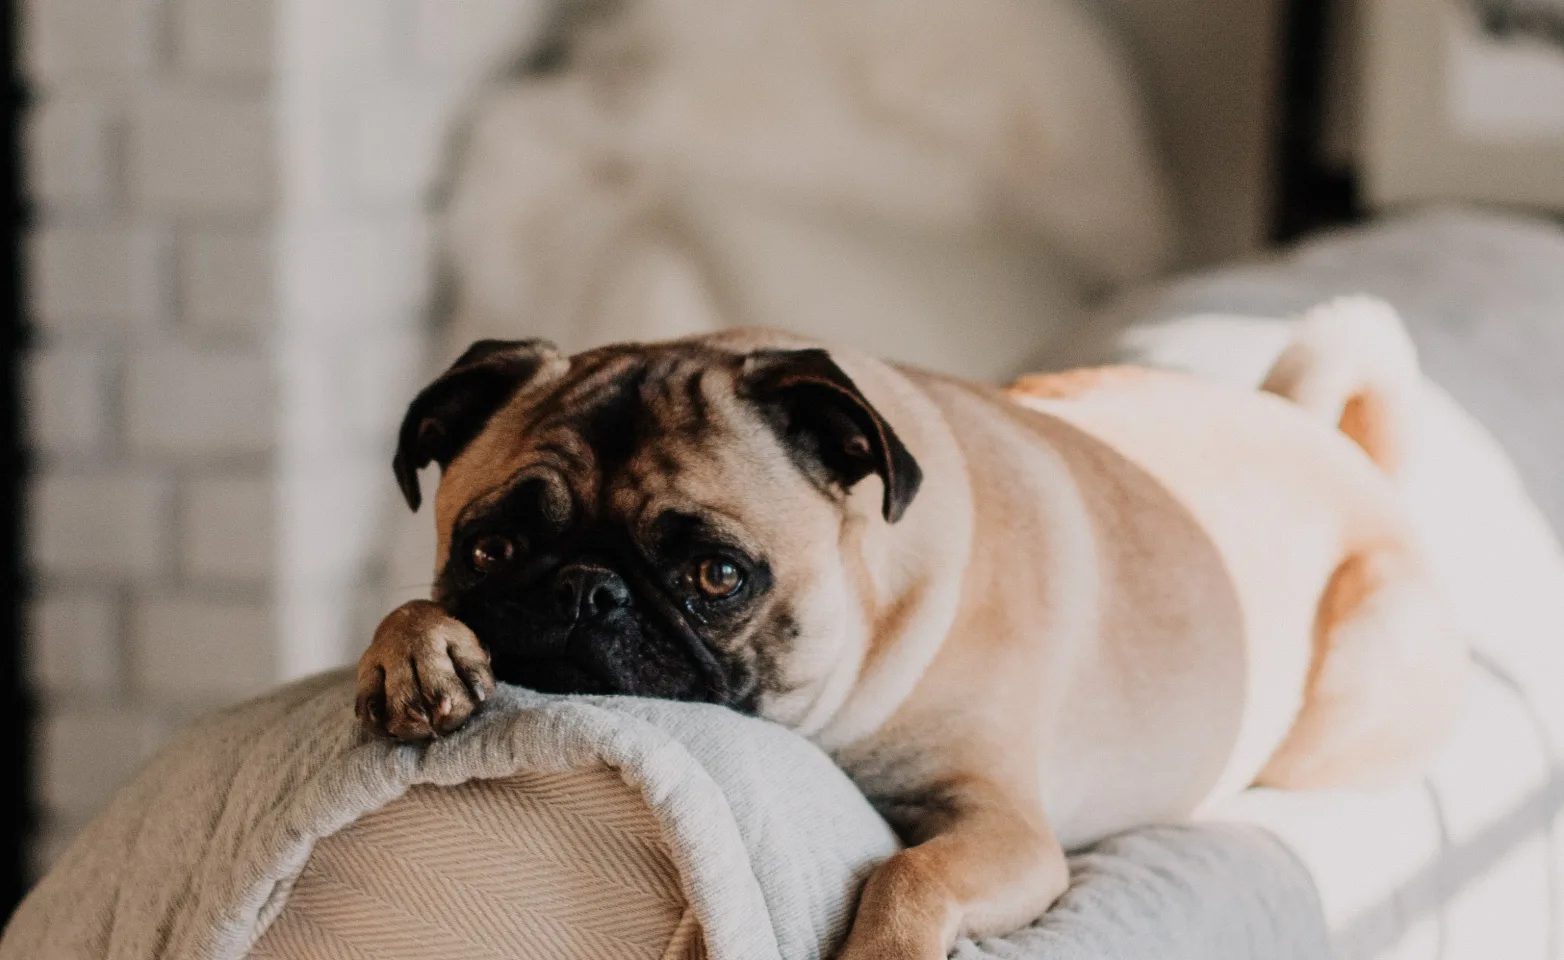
198	855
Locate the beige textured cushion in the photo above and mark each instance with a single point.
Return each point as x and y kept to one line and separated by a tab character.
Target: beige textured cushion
560	865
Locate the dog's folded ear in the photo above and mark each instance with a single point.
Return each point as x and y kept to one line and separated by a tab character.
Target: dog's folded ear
828	425
449	413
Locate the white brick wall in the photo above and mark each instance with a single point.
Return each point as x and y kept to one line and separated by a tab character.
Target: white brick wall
99	526
468	38
72	41
230	274
226	39
396	141
226	530
225	280
97	278
195	150
74	639
152	158
67	401
185	402
71	141
189	648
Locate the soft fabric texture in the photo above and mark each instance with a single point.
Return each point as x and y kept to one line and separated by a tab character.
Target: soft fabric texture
770	842
569	865
1468	863
198	855
882	170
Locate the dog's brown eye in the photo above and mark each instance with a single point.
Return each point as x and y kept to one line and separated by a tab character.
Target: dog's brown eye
717	578
492	552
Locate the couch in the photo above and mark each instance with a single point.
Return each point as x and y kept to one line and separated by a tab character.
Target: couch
617	827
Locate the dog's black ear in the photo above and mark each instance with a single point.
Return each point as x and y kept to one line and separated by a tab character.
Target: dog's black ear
829	425
448	413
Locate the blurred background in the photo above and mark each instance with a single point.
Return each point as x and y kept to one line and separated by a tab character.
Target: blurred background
240	234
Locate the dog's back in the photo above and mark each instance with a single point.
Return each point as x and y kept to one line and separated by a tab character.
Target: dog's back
1294	486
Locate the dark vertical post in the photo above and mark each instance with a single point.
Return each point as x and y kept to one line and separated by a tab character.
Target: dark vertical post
15	702
1309	194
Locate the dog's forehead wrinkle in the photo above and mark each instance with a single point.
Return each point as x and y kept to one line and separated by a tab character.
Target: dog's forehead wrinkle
670	517
630	504
666	376
695	397
656	394
629	433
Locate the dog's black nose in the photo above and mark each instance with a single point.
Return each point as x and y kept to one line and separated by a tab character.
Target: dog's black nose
583	592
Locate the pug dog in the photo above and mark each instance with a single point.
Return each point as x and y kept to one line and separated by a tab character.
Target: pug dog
1021	620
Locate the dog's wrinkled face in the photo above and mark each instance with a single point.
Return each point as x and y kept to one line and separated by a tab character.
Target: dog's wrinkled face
657	520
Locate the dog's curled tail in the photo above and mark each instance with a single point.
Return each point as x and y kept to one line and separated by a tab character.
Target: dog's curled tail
1352	364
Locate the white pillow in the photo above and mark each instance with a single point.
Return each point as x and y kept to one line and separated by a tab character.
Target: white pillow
942	183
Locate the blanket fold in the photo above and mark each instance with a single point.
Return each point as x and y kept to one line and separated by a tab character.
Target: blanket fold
771	842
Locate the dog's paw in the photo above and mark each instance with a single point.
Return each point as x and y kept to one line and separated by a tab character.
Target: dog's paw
423	675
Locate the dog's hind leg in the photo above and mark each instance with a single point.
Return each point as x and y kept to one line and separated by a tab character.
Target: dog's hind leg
1386	679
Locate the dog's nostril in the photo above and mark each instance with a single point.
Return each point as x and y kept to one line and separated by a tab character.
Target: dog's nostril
605	597
582	591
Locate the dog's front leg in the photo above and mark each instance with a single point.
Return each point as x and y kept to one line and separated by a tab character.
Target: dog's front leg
988	866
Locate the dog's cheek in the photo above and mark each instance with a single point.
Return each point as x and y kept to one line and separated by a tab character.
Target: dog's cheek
769	652
808	657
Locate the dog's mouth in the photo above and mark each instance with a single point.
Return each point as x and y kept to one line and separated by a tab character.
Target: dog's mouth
557	675
620	655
